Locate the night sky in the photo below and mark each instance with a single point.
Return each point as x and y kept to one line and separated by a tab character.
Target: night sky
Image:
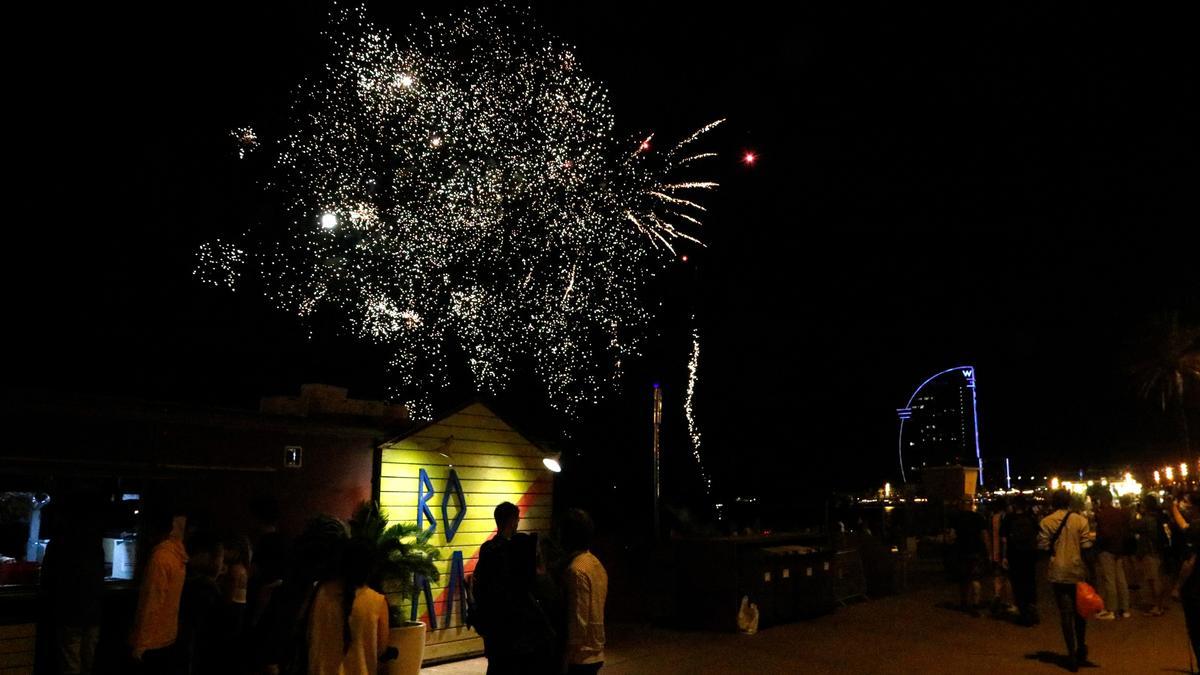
1006	186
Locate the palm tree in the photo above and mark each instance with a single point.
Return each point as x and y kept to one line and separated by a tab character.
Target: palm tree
402	551
1171	368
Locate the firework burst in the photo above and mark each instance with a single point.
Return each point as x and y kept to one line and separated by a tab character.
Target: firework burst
463	196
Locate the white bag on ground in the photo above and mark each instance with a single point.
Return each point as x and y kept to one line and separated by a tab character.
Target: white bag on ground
747	618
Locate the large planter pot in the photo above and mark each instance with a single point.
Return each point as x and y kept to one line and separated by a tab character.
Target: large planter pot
409	639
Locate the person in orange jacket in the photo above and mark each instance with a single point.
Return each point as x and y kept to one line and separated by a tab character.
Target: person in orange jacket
156	622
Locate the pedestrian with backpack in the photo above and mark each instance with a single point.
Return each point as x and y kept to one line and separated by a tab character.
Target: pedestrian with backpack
1019	551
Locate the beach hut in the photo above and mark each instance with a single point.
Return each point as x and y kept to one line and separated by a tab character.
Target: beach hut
448	476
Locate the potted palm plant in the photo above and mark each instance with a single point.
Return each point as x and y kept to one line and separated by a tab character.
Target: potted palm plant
403	551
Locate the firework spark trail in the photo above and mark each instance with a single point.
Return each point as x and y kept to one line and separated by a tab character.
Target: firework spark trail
675	200
694	185
696	136
462	197
690	412
694	158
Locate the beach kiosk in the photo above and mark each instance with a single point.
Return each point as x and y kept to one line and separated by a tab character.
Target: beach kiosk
448	476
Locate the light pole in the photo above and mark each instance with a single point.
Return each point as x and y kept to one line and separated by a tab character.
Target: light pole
905	413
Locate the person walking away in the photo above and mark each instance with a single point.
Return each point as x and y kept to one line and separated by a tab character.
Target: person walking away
156	620
586	586
201	619
1188	588
1149	529
1001	588
348	623
1019	548
72	581
1112	537
1065	535
968	553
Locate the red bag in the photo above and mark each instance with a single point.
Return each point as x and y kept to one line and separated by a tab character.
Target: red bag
1087	601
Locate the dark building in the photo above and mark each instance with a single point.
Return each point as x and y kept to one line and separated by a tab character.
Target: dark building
297	455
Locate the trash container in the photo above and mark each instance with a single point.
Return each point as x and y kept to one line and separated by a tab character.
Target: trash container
814	586
787	565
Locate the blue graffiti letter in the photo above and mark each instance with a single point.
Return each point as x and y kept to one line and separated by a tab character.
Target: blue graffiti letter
453	488
421	583
457	581
424	494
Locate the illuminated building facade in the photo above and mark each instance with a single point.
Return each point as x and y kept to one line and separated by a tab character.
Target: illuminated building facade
942	423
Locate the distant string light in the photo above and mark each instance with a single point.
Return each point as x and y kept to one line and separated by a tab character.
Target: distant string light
465	194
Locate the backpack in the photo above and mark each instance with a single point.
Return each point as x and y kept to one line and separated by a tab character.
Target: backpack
471	614
1022	532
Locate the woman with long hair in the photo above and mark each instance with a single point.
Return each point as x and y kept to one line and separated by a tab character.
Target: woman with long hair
348	624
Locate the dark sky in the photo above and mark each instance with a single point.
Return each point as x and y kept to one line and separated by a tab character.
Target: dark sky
944	183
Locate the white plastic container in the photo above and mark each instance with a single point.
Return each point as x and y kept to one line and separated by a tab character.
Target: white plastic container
124	558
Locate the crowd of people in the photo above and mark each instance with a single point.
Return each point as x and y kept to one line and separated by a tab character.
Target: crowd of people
261	603
1116	546
202	604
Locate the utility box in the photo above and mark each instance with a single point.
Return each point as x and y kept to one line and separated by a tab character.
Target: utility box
943	483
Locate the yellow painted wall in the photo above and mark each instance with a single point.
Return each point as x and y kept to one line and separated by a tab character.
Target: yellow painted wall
494	464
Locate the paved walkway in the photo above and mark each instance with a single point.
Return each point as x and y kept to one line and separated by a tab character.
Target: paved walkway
910	633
